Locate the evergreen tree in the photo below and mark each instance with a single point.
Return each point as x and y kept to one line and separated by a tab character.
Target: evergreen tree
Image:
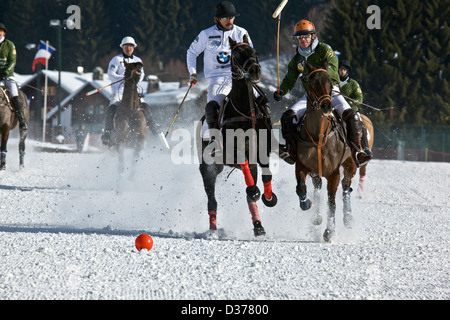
401	65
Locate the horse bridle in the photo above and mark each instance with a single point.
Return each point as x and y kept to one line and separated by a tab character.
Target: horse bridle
318	101
242	70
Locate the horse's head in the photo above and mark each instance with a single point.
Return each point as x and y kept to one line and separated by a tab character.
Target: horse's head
133	70
319	90
244	62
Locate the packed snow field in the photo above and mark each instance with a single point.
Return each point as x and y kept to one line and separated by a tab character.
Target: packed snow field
67	231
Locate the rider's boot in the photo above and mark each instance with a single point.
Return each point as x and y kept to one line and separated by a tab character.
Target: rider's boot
18	110
211	115
360	149
288	151
109	124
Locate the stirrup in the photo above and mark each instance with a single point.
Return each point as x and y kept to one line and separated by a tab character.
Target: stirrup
283	153
366	158
217	149
106	137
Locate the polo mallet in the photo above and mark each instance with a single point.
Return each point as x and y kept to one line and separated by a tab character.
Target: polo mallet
277	14
99	89
164	136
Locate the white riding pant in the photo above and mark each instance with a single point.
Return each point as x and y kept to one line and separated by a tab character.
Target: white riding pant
337	101
11	84
218	89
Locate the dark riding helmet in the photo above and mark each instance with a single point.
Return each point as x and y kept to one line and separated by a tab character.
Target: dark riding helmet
345	63
226	9
2	27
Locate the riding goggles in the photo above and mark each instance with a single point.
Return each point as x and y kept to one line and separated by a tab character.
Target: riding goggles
303	36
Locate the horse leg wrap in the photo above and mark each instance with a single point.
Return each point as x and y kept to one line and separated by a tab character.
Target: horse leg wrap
247	174
268	190
212	220
254	212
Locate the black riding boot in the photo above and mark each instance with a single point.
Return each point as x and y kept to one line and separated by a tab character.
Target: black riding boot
18	110
211	115
109	124
288	152
354	136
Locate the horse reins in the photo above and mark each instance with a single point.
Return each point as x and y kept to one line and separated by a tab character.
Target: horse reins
243	70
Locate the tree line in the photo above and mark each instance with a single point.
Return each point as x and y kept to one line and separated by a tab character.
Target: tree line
401	66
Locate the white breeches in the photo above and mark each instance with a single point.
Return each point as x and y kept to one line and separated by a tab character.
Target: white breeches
337	101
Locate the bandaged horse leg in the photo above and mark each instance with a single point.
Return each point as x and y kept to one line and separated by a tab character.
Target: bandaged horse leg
269	198
253	193
212	220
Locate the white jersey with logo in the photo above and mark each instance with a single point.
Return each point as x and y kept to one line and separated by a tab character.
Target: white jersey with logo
215	45
116	72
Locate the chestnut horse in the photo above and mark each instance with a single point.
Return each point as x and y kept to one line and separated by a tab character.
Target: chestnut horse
246	134
129	122
321	151
8	121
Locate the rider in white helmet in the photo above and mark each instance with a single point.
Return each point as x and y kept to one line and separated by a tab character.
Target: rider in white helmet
116	72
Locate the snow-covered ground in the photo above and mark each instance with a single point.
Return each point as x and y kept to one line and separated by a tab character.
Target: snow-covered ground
66	233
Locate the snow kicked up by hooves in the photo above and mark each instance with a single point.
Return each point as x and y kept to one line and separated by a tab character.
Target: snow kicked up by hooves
68	226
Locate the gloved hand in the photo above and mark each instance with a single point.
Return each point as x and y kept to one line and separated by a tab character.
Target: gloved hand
278	96
193	78
3	75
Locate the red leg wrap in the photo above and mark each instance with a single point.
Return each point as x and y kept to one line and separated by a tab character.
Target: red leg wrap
268	190
212	220
247	174
254	212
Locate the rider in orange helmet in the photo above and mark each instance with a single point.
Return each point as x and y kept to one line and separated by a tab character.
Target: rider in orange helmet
312	54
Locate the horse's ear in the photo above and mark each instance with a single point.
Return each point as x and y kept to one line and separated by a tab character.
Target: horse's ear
232	42
246	39
326	65
125	63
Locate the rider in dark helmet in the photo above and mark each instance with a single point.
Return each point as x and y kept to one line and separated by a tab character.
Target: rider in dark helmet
350	88
7	63
214	44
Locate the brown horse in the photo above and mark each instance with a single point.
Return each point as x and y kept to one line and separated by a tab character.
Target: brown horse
246	133
8	121
322	150
129	122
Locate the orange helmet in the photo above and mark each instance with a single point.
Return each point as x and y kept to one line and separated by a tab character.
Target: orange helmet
304	27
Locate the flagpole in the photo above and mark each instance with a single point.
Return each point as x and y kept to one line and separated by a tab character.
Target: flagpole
45	96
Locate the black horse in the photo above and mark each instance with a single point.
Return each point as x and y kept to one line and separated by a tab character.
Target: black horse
245	131
8	121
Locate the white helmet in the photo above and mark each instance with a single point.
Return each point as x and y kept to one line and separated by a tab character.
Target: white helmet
128	40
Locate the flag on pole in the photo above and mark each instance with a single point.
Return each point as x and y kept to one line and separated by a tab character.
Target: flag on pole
43	54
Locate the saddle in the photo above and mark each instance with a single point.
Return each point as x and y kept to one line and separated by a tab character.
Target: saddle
5	97
337	125
261	106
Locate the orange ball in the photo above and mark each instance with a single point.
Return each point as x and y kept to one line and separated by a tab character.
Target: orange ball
144	241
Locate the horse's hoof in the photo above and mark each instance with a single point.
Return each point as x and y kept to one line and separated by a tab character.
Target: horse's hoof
305	204
348	221
270	202
317	221
253	194
328	235
258	230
